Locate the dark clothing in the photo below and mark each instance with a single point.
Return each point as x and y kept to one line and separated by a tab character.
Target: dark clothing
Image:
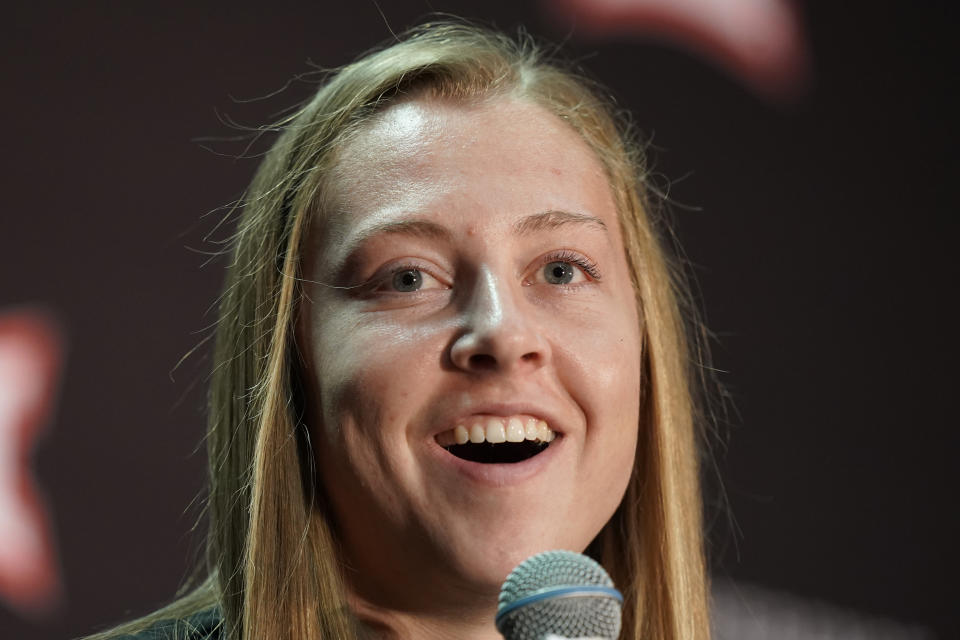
205	625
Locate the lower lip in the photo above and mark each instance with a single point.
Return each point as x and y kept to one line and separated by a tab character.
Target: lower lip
500	474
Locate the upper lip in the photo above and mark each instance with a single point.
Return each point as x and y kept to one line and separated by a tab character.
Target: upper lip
502	409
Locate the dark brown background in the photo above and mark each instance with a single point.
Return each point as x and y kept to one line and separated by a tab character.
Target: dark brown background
823	236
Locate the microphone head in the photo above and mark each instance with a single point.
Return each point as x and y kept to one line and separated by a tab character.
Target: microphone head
558	593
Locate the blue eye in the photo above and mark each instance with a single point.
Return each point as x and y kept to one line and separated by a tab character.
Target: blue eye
565	267
558	272
407	280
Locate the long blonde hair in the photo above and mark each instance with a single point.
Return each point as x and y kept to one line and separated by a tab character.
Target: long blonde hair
272	558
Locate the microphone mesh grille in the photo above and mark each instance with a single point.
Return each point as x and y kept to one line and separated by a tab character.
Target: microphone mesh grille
570	617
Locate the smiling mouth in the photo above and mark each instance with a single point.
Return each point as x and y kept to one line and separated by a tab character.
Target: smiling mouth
497	440
503	453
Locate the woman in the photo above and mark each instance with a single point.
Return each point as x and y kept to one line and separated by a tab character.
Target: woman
449	340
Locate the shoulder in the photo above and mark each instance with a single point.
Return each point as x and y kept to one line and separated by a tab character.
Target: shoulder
203	625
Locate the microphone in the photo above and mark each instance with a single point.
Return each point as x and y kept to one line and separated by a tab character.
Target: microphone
558	595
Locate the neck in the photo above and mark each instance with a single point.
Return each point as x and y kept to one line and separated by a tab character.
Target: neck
463	623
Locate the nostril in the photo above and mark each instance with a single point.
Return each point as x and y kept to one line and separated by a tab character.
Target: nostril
482	361
530	357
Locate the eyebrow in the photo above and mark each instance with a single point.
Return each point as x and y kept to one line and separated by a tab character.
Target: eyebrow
555	219
544	221
414	228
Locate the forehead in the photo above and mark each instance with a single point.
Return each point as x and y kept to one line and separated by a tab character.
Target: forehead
480	164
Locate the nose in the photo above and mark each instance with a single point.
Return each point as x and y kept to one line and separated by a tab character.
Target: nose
499	331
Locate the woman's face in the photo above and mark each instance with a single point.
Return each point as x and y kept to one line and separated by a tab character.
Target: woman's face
474	286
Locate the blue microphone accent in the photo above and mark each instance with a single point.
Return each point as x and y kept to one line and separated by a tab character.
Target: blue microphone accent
560	592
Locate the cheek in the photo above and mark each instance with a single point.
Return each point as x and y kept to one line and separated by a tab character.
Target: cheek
363	402
602	374
369	382
603	359
615	403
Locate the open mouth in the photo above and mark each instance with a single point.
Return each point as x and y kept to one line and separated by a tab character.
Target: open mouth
499	453
498	440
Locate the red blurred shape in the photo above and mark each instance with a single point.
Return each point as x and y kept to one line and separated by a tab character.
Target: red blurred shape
760	41
30	355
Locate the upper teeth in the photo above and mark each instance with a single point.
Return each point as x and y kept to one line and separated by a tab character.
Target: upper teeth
497	429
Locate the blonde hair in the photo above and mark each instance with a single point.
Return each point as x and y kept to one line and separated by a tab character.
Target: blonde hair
272	557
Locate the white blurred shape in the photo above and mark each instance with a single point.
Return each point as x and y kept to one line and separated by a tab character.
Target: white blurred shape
748	612
21	389
29	357
760	41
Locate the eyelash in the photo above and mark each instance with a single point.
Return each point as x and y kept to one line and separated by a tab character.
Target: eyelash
387	278
565	255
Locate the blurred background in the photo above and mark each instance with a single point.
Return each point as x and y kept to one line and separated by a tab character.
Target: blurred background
809	152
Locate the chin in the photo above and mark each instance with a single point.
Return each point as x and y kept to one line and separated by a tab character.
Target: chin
484	565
